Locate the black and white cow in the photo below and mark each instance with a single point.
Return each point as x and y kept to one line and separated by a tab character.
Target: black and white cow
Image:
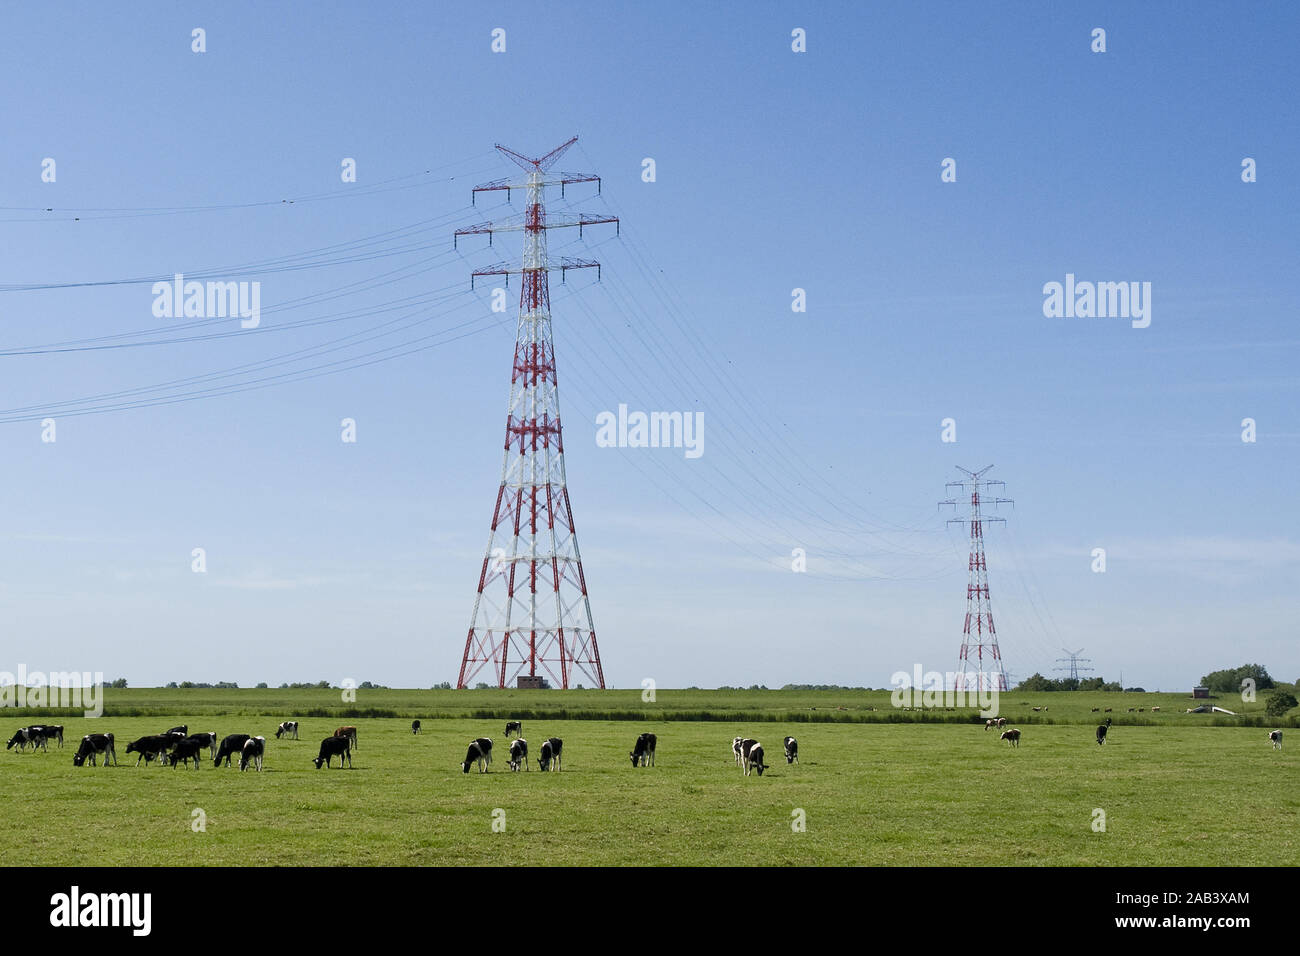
231	746
1012	737
26	735
754	758
288	728
186	750
182	731
415	726
791	750
515	727
1276	737
254	749
735	749
206	739
519	754
93	744
742	746
643	751
480	752
332	747
155	745
44	732
552	748
1101	731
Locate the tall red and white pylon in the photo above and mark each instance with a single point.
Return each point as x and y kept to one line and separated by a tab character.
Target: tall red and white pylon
979	664
532	615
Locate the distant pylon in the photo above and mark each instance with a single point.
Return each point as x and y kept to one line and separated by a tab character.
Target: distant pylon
1073	661
979	664
531	614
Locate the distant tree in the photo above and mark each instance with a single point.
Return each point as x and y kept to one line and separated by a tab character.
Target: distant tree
262	686
284	686
1034	682
1229	681
1114	687
1135	690
442	685
481	686
120	683
1279	702
171	685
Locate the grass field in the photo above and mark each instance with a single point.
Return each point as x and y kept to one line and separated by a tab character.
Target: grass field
1177	792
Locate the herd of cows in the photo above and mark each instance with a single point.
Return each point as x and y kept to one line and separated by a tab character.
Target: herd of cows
178	746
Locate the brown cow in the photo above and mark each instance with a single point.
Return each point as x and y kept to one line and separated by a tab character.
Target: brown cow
1012	737
349	732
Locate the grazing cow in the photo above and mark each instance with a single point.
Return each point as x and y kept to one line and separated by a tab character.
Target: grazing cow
519	754
27	735
643	751
182	731
230	747
480	752
287	729
1276	737
746	744
1101	731
754	758
1002	722
1109	709
791	750
349	732
188	749
1155	710
254	749
415	726
735	748
43	732
206	739
1012	737
990	724
515	727
93	744
156	745
331	747
551	749
1037	709
1132	709
1096	710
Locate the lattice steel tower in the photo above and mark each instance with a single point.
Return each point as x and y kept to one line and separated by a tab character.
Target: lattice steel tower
979	665
532	615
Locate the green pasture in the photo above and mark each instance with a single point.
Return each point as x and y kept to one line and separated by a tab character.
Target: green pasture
1174	791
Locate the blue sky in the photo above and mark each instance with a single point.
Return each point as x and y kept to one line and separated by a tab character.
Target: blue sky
775	170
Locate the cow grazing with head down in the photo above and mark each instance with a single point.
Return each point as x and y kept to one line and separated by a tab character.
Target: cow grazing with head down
1012	737
1101	731
791	750
155	745
551	751
46	732
415	726
480	752
350	732
331	747
93	744
1276	737
187	750
754	758
27	735
231	746
208	739
254	749
288	728
515	727
519	754
643	751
